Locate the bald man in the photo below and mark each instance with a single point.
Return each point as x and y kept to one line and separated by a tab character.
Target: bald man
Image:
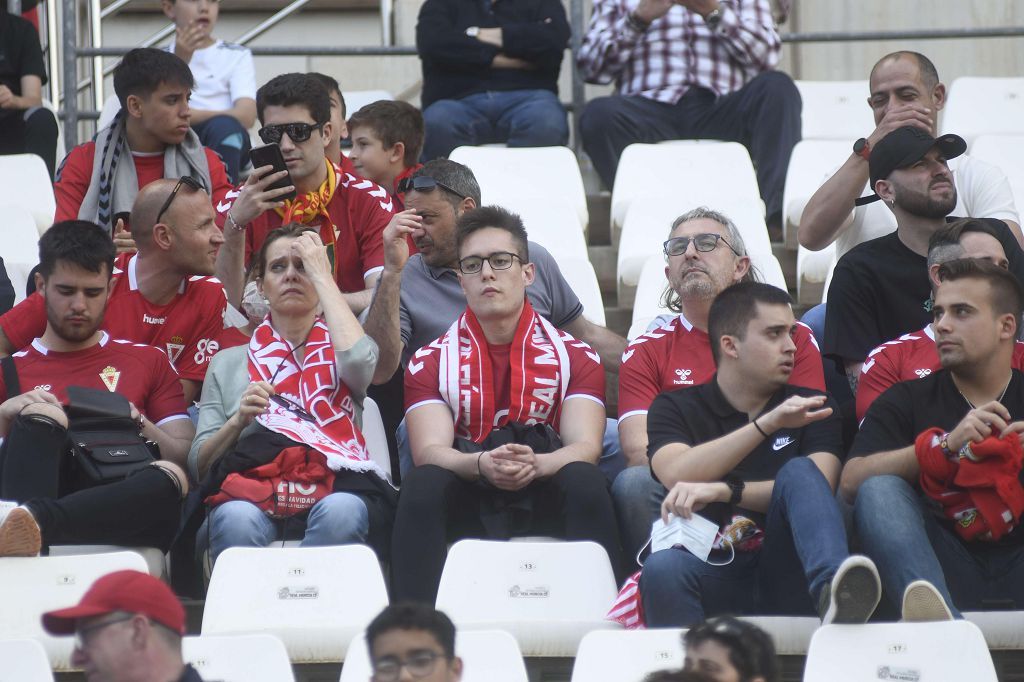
162	295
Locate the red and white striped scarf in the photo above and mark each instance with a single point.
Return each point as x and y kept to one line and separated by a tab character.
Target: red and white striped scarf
540	375
315	385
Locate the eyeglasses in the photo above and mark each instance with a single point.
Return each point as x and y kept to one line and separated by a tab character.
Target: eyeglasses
297	132
499	260
704	242
186	180
293	407
419	664
423	183
83	635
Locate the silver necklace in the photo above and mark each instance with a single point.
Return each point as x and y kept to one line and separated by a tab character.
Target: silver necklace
998	400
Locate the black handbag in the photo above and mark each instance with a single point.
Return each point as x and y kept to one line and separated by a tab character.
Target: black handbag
104	439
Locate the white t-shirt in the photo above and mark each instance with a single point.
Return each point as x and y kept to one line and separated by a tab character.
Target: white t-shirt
982	191
224	74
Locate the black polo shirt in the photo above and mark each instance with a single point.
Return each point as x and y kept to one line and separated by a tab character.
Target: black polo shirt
20	53
880	290
698	414
906	409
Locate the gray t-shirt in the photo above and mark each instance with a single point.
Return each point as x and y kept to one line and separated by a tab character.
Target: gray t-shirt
432	299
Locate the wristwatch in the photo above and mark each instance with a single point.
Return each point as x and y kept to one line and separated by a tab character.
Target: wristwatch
713	17
473	31
862	149
736	486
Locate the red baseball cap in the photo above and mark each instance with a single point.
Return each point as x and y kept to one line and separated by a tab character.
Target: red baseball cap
129	591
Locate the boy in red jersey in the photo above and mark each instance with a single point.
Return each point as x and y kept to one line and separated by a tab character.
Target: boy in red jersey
162	295
52	501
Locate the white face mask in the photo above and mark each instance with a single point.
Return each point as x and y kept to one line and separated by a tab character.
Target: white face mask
696	534
254	304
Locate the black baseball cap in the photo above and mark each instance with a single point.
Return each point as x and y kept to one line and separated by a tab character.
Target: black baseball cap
906	146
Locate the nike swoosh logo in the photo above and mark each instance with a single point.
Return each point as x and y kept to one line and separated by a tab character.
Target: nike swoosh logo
781	443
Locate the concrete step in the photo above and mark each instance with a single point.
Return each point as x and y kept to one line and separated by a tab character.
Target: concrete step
599	206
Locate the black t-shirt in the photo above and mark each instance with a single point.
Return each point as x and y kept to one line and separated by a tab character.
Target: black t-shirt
880	290
20	53
898	416
698	414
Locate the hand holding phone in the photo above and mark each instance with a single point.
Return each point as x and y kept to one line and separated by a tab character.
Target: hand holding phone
270	155
266	188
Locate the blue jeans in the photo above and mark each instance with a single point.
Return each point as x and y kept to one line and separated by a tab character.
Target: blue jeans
815	319
225	135
520	118
338	519
907	543
611	463
637	497
805	542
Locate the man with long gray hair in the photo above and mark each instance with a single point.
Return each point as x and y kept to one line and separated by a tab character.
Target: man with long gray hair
704	254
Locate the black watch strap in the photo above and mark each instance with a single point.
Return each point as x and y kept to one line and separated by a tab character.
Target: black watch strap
736	486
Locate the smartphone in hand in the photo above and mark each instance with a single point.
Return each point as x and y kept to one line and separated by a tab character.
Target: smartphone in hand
270	155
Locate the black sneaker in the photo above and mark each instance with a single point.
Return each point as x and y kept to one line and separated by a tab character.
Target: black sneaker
853	594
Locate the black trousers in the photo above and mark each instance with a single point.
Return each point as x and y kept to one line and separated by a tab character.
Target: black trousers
436	507
30	131
142	510
763	115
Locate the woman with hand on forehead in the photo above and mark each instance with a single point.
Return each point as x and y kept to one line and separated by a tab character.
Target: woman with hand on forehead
278	447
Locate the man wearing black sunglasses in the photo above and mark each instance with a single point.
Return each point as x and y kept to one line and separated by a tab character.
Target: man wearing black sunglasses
704	254
163	295
350	212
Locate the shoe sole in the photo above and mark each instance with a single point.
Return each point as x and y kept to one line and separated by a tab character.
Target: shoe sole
856	596
923	604
19	534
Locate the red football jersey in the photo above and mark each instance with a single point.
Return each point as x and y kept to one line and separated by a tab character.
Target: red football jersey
586	377
188	327
677	354
911	356
139	373
75	175
360	210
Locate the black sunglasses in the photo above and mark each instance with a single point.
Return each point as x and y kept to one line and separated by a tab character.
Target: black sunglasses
186	180
297	132
424	183
705	242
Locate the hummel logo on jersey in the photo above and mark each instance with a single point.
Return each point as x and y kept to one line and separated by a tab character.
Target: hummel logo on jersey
153	320
922	373
781	442
684	377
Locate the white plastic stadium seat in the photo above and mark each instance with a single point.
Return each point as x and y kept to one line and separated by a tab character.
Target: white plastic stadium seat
156	561
552	223
950	650
375	435
647	225
23	660
357	99
111	106
546	594
813	269
811	164
239	658
1006	152
31	586
976	106
315	599
511	176
627	655
1002	629
487	656
685	171
21	247
580	275
24	181
835	110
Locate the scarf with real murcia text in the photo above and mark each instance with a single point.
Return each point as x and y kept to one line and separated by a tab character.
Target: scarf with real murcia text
314	385
540	375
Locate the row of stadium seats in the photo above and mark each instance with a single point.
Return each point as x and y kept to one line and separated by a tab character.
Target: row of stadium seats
508	599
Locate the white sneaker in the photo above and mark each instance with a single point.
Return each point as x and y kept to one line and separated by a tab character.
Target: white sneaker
854	592
922	603
19	532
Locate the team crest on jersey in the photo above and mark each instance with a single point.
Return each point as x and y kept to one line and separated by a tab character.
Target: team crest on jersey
174	348
110	377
